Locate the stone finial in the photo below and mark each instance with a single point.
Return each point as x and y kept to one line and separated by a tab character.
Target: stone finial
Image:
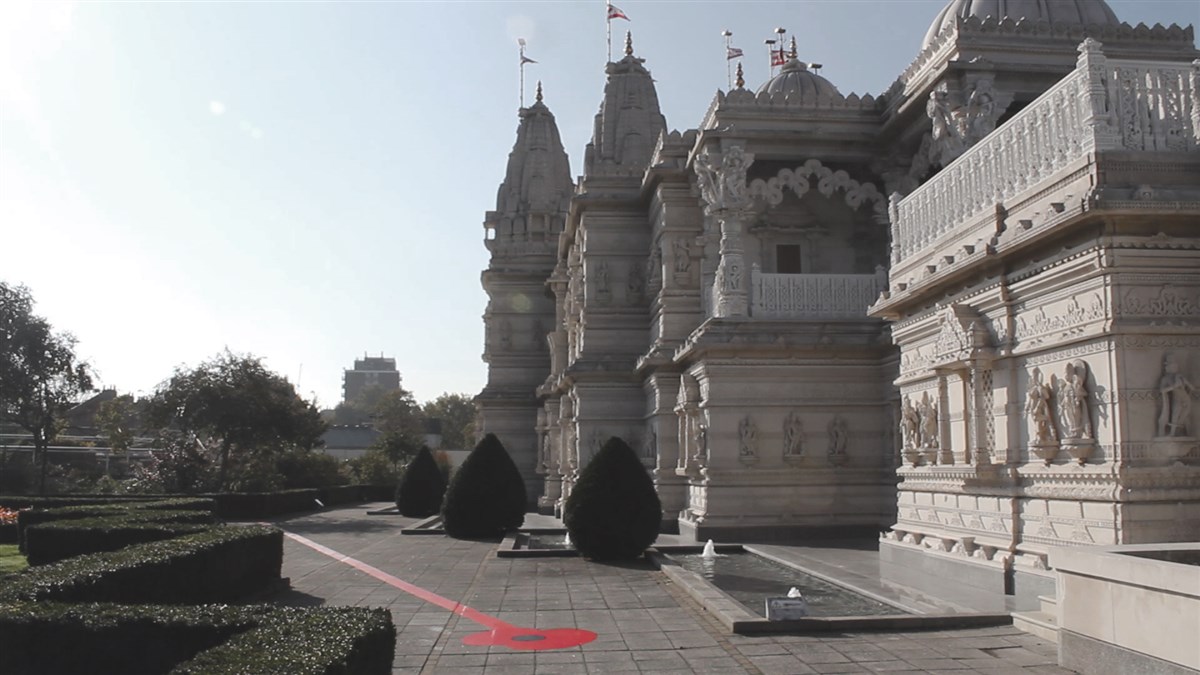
628	43
793	46
741	81
539	91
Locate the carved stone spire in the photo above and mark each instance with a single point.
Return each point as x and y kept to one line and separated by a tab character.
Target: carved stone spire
629	122
531	203
741	80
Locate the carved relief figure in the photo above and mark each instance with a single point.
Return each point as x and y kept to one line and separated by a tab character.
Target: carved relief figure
635	285
651	450
683	255
929	423
910	421
1038	401
839	435
793	435
747	437
1176	393
1073	402
701	443
505	333
602	277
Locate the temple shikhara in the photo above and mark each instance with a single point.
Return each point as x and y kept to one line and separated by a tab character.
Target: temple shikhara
962	316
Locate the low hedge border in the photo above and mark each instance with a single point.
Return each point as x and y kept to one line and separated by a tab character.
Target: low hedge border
221	564
230	505
58	540
37	516
195	640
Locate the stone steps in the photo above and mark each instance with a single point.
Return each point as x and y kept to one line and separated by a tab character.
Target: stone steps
1042	622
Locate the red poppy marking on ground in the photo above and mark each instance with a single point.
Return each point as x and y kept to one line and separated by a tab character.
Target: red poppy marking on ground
498	634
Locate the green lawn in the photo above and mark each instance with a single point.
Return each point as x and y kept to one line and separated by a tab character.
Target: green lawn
11	559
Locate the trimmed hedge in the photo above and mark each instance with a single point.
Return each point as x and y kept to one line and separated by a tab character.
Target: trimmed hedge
613	512
37	516
421	489
221	564
231	505
54	541
322	641
194	640
486	496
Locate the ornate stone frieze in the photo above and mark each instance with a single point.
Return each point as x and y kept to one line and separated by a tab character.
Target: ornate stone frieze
1039	326
1165	302
962	335
799	181
1060	355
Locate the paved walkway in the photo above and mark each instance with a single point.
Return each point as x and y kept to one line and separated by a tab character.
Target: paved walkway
643	622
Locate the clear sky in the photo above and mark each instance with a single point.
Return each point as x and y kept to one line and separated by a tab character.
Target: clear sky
306	182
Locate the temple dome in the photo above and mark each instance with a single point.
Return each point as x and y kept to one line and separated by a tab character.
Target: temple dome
1070	12
796	78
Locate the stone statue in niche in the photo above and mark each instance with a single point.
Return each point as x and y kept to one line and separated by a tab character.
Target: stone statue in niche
839	437
929	423
654	266
651	449
602	277
505	334
910	424
747	438
701	456
1039	406
793	435
635	285
1073	402
683	255
1176	392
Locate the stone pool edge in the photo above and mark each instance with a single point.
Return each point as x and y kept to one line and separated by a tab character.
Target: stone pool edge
735	618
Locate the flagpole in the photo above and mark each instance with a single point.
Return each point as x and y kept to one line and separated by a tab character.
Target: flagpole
770	57
608	26
521	42
728	72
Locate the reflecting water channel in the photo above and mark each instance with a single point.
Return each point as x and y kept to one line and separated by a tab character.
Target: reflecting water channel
750	579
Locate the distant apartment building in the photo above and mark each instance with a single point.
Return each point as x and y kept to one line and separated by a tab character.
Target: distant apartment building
370	372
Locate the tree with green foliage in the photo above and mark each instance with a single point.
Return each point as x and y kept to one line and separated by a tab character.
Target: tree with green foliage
420	492
613	512
40	376
117	422
486	496
244	408
457	414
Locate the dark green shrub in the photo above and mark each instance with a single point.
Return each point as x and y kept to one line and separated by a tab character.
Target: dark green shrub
613	512
310	469
420	492
111	638
486	496
36	516
322	641
221	564
53	541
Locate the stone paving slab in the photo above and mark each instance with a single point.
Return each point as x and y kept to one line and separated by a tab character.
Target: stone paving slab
644	624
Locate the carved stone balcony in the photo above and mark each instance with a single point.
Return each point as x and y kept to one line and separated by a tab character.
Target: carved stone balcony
1033	164
813	296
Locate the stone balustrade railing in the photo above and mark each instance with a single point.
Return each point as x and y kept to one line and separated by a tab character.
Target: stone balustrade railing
1102	105
813	296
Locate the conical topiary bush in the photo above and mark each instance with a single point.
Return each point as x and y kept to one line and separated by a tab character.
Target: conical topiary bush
613	512
486	496
422	487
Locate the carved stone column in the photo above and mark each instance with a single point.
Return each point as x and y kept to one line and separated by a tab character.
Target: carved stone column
553	443
730	289
722	181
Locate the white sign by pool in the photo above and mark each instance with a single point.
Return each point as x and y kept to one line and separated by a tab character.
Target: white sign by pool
786	609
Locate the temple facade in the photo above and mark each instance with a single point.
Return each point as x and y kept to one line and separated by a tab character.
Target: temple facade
964	313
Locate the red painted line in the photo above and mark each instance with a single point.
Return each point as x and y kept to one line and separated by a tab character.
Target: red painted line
416	591
500	633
